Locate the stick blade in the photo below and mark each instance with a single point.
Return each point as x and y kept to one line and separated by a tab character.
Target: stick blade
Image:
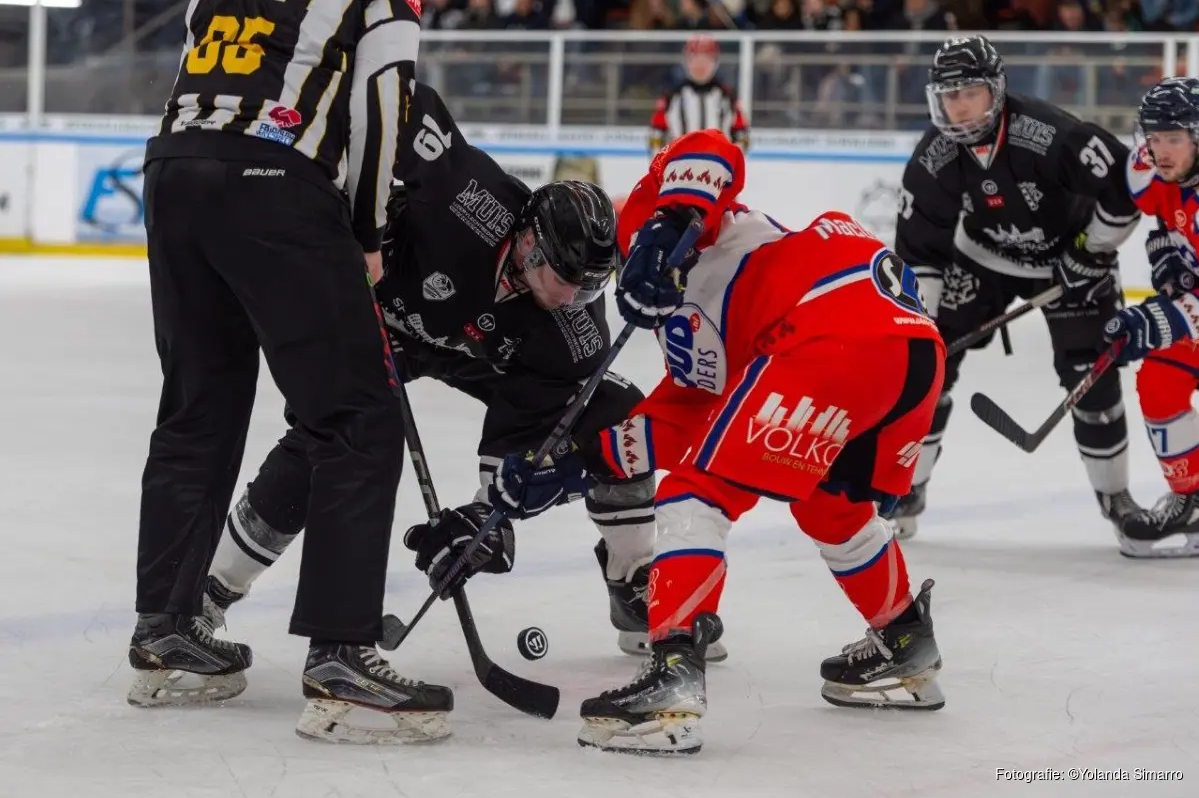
997	419
531	698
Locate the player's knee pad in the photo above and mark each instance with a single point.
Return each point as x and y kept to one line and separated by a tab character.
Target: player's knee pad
248	546
1105	393
831	518
623	511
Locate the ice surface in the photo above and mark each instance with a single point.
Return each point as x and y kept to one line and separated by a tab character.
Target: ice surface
1058	652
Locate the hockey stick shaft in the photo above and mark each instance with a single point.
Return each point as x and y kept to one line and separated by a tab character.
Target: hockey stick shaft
999	420
532	698
559	438
1039	301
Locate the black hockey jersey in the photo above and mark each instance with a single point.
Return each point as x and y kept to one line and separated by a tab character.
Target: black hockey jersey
1014	204
446	242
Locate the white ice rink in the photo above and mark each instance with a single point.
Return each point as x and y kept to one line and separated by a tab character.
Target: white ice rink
1058	652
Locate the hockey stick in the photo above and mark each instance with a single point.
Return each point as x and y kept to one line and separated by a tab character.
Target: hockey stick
532	698
997	418
557	443
1039	301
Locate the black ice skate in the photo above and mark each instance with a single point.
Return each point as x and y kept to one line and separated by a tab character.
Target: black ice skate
176	660
904	514
901	657
1170	529
659	711
341	678
1119	507
217	601
629	614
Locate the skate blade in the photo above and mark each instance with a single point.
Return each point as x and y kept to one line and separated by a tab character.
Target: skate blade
637	644
668	734
326	721
166	688
920	692
1167	548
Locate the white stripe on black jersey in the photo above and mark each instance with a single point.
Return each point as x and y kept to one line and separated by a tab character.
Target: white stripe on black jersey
692	108
278	71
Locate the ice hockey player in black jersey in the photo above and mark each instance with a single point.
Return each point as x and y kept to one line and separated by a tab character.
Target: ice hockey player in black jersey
1002	197
496	291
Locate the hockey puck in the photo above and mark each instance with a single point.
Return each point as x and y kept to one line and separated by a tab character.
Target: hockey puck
532	643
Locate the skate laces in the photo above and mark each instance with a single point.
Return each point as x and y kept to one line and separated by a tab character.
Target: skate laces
213	616
377	666
647	668
202	628
867	647
1167	507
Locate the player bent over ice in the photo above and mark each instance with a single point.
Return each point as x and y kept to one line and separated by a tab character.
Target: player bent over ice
803	369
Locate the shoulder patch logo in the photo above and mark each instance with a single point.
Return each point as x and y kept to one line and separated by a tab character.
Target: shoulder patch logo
437	287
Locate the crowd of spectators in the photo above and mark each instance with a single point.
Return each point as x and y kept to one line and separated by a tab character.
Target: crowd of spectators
819	84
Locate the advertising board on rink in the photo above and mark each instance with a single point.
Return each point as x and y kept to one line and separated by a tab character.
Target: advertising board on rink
76	183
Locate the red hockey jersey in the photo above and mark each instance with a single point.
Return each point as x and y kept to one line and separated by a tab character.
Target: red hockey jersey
757	287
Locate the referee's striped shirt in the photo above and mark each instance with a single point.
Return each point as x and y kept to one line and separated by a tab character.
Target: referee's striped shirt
329	79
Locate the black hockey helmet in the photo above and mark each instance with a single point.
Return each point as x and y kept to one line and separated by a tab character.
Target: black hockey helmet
574	233
1173	104
960	64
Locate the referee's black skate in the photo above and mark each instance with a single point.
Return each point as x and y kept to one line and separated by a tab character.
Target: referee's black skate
1170	529
340	679
658	712
176	660
901	658
630	615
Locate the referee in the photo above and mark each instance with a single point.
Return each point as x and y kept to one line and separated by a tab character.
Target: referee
265	199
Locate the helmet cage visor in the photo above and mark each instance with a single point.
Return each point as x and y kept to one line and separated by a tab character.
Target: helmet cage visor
970	131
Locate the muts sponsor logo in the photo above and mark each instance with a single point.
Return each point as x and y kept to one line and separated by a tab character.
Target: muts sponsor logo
1031	134
694	350
939	152
801	438
482	213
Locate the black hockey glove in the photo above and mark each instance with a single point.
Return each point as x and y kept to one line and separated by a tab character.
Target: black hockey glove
647	292
1169	270
1082	273
523	490
439	544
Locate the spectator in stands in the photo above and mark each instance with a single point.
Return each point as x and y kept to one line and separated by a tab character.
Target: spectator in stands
1168	15
529	15
460	15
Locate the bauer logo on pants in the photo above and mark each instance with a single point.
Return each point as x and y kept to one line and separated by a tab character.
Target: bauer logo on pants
801	438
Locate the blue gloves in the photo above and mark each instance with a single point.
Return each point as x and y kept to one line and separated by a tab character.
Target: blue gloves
1154	324
519	489
646	292
1170	271
1081	273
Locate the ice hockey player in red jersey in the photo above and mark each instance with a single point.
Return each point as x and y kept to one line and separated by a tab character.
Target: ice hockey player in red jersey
1162	175
802	368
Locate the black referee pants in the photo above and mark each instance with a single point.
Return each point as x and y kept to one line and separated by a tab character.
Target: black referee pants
242	260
